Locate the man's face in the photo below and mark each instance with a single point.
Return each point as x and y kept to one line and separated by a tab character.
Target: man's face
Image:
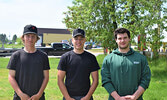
123	41
78	42
30	39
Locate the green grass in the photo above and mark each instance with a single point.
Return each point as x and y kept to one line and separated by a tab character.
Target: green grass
12	45
156	91
158	85
6	91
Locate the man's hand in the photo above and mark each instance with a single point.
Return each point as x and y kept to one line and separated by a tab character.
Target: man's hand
121	98
24	96
130	97
35	97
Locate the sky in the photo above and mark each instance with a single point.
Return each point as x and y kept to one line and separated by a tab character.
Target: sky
15	14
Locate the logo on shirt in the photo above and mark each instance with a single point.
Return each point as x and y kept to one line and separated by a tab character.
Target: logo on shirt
136	62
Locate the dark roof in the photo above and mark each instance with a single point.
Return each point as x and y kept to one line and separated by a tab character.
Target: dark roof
52	30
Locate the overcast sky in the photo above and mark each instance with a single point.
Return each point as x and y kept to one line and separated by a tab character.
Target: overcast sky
15	14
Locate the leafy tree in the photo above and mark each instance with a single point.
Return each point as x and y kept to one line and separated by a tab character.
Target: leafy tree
101	17
14	38
144	18
3	39
157	20
93	16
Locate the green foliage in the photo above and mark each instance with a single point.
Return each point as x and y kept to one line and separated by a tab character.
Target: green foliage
3	39
18	44
93	16
101	17
14	38
19	41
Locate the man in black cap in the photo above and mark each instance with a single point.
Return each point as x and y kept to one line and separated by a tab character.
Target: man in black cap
76	66
29	68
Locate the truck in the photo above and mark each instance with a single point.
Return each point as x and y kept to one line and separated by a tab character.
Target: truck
56	49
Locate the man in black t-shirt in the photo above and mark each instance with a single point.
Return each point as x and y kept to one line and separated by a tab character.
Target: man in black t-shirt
76	66
29	68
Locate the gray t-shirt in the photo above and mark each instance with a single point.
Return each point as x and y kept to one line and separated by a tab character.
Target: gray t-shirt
29	69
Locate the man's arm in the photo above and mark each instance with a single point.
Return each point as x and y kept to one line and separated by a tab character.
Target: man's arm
15	86
43	86
106	76
62	87
95	78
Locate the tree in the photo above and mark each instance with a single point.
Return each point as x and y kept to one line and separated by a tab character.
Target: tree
93	16
3	39
14	38
143	17
101	17
156	26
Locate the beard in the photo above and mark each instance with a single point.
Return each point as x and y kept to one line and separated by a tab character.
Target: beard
125	47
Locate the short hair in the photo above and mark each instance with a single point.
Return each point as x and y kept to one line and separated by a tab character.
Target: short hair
22	38
121	31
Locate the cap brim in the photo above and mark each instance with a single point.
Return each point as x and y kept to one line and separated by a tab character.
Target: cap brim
30	33
78	35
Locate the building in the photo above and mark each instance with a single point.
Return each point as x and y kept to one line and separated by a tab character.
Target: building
49	35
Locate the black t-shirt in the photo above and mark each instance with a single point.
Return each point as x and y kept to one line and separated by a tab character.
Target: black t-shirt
29	69
78	68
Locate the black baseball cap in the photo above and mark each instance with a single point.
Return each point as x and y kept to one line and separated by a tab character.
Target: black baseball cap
30	29
77	32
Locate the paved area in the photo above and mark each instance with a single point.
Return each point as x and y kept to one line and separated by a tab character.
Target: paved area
96	53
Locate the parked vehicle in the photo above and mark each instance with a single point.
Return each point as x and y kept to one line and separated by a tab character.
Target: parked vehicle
87	45
7	51
65	41
56	49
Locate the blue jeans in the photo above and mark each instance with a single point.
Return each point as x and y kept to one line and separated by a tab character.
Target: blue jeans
78	97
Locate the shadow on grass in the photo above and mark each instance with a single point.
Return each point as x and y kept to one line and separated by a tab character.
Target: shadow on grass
159	75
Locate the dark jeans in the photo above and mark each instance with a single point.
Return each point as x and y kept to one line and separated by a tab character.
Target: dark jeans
78	97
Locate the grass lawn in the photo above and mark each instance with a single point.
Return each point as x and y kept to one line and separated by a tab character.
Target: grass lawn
12	46
157	89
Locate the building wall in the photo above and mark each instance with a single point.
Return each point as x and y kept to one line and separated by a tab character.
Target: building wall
51	37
